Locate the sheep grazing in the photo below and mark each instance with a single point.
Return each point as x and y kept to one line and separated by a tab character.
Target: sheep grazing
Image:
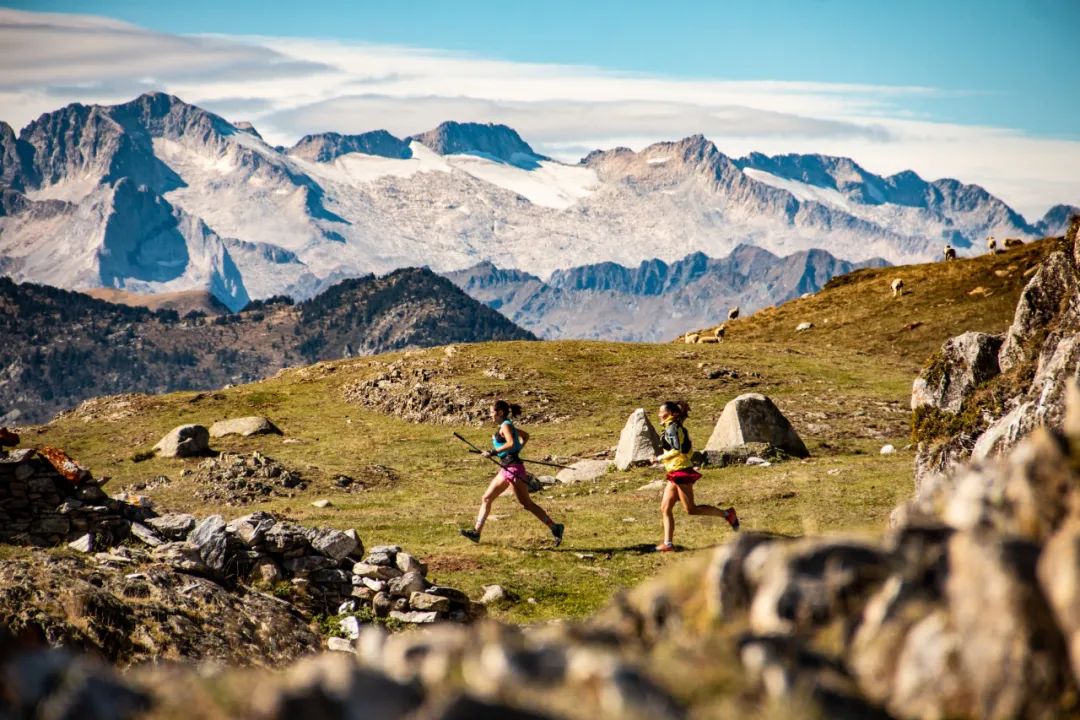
719	330
733	313
897	287
690	338
991	244
950	253
1013	242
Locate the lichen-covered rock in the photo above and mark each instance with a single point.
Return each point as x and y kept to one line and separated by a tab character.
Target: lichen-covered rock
965	362
583	471
210	538
752	417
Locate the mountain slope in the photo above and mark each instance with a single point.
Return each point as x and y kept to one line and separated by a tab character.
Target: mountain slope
62	347
654	301
157	195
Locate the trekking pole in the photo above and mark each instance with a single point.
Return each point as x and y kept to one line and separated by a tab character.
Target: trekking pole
534	462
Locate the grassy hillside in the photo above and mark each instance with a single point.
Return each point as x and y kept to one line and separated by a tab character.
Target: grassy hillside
845	385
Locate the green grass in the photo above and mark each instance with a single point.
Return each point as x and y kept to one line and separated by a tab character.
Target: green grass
595	386
845	385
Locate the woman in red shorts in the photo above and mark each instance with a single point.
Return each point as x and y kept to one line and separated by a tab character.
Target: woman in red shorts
507	443
681	474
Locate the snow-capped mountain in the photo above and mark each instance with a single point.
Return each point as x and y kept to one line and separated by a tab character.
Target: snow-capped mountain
157	195
655	301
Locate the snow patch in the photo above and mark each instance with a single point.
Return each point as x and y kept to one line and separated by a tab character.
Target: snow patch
658	160
805	192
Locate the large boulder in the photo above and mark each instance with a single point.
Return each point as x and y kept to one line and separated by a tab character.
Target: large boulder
638	443
755	418
244	426
965	362
184	441
1052	285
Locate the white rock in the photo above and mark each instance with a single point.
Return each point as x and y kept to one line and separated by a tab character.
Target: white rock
336	644
638	443
415	617
244	426
350	626
322	503
584	470
752	417
84	544
887	450
184	441
493	594
755	460
803	326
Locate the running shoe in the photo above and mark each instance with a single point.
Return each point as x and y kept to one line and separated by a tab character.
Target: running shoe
557	531
471	534
665	547
732	518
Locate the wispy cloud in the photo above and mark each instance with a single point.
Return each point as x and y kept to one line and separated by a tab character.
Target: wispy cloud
291	87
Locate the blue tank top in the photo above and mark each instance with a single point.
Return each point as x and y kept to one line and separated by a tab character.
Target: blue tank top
507	455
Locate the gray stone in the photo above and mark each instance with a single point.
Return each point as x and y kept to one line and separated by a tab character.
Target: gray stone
493	594
414	617
965	362
381	604
639	442
407	563
245	426
307	564
358	551
184	441
752	417
211	539
84	544
174	526
426	601
336	644
145	534
334	544
1040	302
267	571
456	597
380	557
376	572
407	584
251	529
374	585
350	626
285	537
583	471
182	556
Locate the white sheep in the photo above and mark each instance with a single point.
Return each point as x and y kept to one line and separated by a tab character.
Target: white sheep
897	287
950	253
733	313
991	244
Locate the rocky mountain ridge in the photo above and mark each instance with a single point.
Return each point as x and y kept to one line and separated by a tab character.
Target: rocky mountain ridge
107	349
654	301
157	195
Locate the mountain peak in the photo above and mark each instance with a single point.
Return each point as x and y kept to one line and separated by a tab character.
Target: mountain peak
326	147
497	141
245	126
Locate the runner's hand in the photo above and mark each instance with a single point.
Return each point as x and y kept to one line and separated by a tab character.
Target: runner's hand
487	453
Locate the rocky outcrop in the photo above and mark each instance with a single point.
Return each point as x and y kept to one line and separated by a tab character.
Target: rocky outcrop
496	141
326	147
754	418
966	361
970	404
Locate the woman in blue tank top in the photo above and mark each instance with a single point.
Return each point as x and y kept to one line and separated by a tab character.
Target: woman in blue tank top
506	443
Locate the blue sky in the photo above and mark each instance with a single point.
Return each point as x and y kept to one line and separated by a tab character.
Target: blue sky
979	91
1012	63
